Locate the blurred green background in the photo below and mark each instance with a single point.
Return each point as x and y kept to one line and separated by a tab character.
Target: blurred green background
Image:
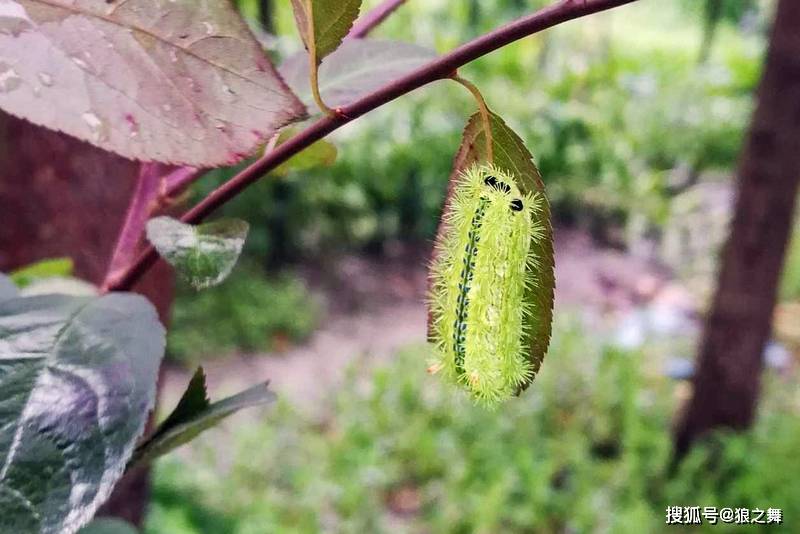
585	450
627	113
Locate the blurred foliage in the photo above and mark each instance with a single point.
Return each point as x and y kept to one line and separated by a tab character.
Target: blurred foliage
586	449
610	107
47	268
790	287
249	312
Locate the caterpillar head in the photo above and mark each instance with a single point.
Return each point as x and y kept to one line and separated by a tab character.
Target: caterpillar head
491	181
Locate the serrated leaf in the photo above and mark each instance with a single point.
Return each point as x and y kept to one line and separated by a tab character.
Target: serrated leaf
205	254
320	154
331	22
7	288
106	525
48	268
77	380
358	67
511	155
175	81
194	414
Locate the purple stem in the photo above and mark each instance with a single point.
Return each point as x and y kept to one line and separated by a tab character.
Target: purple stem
365	24
155	185
178	180
143	201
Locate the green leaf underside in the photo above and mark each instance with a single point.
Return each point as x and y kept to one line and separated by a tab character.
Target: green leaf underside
204	255
106	525
62	285
77	380
511	156
7	288
320	154
49	268
332	22
355	69
176	81
194	414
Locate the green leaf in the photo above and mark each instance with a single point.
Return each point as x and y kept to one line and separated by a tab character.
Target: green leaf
7	288
176	81
358	67
107	525
77	380
48	268
511	155
320	154
194	414
204	254
331	22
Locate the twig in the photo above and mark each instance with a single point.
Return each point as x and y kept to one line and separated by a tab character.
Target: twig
440	68
368	22
144	197
484	110
156	185
179	179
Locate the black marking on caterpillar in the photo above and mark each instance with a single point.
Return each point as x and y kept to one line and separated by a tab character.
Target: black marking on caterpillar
467	275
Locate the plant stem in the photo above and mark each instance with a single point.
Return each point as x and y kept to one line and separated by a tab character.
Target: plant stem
440	68
368	22
155	186
139	209
313	59
484	109
179	179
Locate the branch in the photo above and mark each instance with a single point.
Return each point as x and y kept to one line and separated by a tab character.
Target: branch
440	68
156	185
368	22
139	209
178	180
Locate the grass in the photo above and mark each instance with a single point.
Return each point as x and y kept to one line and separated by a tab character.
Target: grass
587	449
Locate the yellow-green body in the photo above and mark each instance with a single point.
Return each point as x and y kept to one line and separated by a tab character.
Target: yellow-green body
483	265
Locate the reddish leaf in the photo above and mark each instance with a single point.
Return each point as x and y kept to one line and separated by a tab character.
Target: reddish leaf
174	81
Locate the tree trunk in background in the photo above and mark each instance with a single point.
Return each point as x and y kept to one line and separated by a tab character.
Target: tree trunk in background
63	197
739	322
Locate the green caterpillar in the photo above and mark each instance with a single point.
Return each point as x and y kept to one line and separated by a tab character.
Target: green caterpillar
484	265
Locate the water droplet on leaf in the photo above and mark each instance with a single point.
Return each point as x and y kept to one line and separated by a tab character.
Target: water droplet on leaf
13	18
96	126
9	79
229	93
46	79
81	63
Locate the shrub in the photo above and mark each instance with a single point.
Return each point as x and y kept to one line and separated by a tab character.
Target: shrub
248	313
